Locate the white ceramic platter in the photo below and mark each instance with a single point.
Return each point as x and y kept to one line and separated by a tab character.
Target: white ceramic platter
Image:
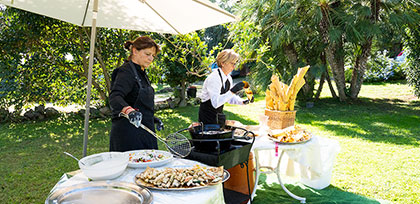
148	158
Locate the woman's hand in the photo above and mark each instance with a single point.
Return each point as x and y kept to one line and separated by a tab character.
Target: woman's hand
247	101
135	118
132	115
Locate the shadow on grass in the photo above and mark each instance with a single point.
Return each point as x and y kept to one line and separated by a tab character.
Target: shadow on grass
379	120
273	193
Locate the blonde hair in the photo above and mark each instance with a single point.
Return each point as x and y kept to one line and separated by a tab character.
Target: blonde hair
225	56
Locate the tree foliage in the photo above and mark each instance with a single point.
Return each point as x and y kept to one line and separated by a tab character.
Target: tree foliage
184	60
280	36
46	60
294	33
412	39
216	38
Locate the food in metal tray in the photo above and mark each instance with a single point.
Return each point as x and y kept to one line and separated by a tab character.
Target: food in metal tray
291	134
176	178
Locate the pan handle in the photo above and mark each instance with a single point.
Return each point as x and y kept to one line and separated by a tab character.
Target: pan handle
193	128
245	135
181	130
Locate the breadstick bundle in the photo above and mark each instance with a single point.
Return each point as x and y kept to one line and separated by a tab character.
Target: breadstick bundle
280	96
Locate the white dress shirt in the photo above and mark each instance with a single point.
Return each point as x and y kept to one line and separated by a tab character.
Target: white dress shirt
211	90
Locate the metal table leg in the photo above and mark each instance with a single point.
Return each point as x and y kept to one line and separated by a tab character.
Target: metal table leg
302	200
257	173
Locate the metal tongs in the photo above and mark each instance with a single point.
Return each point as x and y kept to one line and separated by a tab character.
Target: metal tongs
176	143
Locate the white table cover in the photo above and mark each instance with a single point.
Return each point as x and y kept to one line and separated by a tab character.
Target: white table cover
312	162
208	195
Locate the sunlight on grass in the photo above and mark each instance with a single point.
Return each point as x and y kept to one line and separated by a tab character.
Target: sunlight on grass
396	90
348	126
54	136
380	124
171	115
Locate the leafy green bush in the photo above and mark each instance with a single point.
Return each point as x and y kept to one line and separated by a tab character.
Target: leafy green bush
348	72
412	71
383	68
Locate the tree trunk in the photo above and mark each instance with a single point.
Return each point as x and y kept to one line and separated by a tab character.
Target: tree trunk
291	54
361	60
104	71
325	76
308	87
321	84
334	95
183	102
359	69
337	67
335	60
292	57
322	80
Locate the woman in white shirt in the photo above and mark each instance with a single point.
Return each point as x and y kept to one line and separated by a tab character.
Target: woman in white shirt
217	90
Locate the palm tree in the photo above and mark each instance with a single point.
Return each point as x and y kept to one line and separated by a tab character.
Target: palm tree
359	22
333	39
288	37
293	33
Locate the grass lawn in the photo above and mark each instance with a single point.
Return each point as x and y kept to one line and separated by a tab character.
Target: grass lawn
378	134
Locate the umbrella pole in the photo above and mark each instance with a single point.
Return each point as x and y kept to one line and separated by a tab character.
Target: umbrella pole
91	56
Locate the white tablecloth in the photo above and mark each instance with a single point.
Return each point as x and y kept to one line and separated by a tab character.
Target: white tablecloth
312	162
208	195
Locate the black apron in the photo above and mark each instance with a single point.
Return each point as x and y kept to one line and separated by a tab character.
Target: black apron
207	114
125	136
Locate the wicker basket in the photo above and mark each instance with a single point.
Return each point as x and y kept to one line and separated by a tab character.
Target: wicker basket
280	119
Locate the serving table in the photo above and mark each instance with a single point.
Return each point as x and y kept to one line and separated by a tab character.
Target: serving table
207	195
263	143
314	159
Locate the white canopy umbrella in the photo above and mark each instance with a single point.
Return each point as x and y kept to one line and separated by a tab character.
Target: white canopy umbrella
162	16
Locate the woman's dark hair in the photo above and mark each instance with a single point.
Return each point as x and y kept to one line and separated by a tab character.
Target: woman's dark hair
141	43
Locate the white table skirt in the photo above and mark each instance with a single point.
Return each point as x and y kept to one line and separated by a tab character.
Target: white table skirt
208	195
312	162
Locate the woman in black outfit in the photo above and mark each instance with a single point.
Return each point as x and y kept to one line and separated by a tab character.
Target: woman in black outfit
132	95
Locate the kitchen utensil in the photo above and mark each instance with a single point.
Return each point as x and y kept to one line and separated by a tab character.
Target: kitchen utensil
176	143
68	154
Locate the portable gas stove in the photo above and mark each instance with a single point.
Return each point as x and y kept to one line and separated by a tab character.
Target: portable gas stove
220	147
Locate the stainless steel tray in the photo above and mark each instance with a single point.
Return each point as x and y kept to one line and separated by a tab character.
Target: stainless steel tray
104	192
226	176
